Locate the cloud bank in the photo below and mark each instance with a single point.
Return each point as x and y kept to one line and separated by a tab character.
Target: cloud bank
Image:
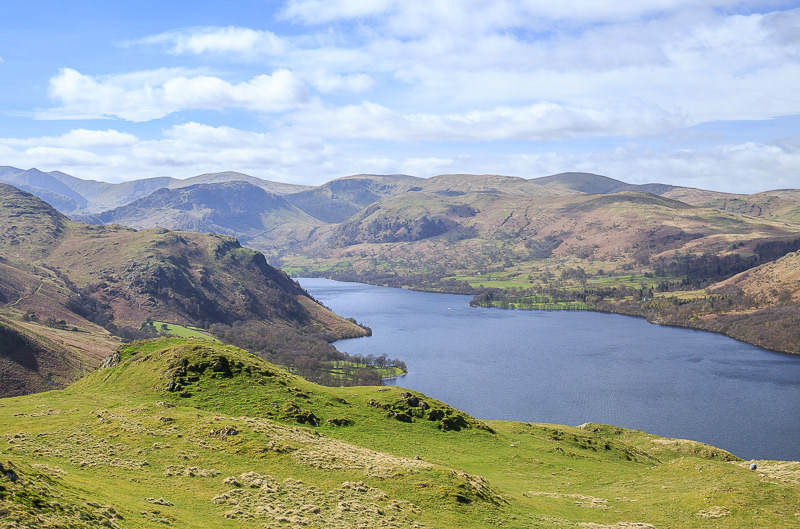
524	87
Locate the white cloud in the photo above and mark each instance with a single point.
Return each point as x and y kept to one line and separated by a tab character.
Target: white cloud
736	168
544	121
151	95
316	11
325	82
224	40
413	15
366	84
78	138
181	151
193	148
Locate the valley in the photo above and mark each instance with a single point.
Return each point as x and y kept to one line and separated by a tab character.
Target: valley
192	432
342	264
674	255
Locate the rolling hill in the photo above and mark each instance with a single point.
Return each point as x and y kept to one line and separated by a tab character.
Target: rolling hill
339	199
193	434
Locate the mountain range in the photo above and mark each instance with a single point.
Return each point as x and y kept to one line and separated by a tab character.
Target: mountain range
567	240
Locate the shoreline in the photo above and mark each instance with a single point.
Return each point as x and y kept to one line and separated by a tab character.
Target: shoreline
606	310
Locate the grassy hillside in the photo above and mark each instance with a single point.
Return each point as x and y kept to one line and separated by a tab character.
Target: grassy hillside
30	361
484	233
72	286
191	434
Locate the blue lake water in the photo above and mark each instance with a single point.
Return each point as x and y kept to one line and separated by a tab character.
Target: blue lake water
575	367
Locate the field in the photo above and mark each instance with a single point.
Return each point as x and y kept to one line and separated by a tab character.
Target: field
189	433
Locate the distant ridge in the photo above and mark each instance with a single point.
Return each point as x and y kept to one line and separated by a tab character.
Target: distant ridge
233	208
594	184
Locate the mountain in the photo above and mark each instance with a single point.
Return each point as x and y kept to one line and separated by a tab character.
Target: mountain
72	195
594	184
479	231
45	186
561	239
234	208
100	196
339	199
278	188
194	434
69	284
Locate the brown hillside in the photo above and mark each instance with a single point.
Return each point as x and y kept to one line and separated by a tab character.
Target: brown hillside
61	282
771	284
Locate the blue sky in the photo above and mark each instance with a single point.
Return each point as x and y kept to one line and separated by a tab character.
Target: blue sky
695	93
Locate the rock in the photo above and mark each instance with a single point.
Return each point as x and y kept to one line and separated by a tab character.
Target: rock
159	501
402	417
222	366
110	361
412	401
455	423
435	415
340	422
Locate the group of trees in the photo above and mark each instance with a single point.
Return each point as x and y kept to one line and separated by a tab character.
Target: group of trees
698	271
311	355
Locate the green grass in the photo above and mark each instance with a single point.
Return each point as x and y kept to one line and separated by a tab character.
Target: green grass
118	439
182	331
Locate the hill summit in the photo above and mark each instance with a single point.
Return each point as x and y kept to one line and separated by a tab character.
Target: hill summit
189	433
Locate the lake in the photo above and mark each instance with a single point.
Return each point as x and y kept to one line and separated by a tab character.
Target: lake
575	367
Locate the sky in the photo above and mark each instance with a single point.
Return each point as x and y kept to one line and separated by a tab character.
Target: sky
686	92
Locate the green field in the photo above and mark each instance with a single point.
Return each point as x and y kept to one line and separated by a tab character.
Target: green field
189	433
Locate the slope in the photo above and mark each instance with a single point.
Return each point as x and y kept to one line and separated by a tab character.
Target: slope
192	434
71	283
232	208
594	184
101	196
278	188
482	233
339	199
46	186
768	309
72	195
